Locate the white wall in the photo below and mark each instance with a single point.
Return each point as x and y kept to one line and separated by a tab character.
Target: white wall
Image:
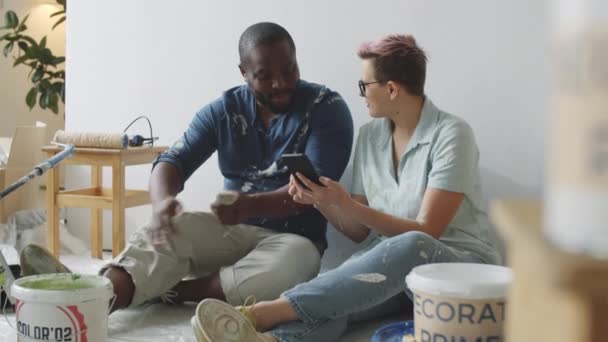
166	59
15	82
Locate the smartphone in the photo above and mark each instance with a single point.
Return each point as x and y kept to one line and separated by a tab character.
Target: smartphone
298	162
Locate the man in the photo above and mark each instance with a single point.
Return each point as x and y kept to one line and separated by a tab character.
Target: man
263	243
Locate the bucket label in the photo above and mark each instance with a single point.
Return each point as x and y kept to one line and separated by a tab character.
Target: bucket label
440	319
50	323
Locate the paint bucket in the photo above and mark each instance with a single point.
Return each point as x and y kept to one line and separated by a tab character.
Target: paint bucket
62	307
459	301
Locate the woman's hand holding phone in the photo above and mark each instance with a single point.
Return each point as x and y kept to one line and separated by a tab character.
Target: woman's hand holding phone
329	193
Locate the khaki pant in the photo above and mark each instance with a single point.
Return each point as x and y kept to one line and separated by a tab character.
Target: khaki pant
251	260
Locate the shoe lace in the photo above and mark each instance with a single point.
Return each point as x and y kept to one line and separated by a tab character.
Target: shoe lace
245	309
169	297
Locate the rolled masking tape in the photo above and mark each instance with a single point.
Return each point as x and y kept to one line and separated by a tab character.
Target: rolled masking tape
93	140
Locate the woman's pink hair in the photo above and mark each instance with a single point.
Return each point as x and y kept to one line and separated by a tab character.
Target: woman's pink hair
397	58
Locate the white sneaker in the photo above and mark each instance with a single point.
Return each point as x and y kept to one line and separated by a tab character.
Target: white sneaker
197	331
217	321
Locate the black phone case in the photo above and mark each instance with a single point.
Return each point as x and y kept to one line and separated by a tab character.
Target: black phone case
298	162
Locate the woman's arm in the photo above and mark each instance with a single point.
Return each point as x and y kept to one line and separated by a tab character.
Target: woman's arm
438	208
344	222
335	214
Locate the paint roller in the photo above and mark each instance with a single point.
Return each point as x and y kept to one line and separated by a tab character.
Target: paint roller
6	274
93	140
101	140
39	169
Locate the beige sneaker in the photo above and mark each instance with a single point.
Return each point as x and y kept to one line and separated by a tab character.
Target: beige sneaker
217	321
36	260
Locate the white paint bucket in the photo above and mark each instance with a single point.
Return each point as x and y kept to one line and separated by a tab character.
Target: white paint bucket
459	301
62	307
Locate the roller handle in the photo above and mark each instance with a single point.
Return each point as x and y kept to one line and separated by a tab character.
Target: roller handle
50	163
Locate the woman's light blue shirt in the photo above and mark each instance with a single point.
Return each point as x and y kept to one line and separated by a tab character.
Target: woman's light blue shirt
441	154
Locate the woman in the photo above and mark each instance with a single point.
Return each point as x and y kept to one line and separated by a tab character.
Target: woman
415	183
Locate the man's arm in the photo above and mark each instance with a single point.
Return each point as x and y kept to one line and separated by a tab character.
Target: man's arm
173	167
164	186
164	182
274	204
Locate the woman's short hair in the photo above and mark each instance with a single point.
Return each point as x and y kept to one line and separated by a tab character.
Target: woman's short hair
399	59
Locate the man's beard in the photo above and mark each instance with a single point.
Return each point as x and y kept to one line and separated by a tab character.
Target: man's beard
266	101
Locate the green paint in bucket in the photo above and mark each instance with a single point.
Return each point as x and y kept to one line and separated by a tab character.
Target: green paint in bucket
74	282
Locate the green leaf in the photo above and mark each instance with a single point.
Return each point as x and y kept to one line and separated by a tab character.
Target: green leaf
4	36
29	40
44	84
8	48
45	99
30	99
57	60
53	102
38	74
22	27
23	46
58	22
57	87
19	60
43	42
11	19
61	2
46	56
32	52
62	93
57	13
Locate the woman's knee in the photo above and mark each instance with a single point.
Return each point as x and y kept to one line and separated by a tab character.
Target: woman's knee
409	246
410	239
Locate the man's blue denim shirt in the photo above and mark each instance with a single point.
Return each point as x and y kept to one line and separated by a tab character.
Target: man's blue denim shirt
318	124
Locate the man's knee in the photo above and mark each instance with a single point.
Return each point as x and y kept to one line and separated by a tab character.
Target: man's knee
291	260
298	261
193	219
300	252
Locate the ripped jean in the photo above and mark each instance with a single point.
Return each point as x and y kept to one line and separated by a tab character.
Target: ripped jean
370	284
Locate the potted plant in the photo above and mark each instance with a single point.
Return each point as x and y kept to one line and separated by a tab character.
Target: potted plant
47	70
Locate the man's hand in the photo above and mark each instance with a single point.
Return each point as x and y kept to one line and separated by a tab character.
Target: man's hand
162	213
234	213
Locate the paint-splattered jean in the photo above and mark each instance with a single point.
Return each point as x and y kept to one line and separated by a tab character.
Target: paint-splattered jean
368	285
